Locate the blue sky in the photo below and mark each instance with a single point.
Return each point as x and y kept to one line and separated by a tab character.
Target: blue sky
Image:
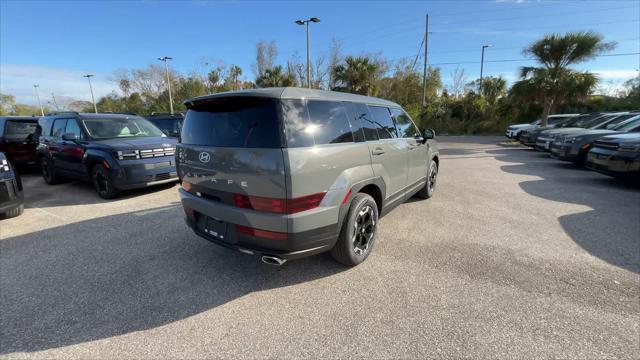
53	43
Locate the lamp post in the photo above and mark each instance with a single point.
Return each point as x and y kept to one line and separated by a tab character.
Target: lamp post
482	64
36	86
306	23
93	99
166	67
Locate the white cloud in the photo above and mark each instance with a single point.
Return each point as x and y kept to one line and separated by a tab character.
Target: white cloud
18	80
615	74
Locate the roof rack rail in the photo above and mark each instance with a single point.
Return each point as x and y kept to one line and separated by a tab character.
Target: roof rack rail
166	114
62	113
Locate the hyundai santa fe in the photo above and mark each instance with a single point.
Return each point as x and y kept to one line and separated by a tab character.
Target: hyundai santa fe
113	151
284	173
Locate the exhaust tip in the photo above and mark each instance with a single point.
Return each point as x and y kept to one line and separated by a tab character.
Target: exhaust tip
273	260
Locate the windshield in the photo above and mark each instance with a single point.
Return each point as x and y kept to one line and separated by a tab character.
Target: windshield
537	122
558	120
629	125
120	128
614	121
19	130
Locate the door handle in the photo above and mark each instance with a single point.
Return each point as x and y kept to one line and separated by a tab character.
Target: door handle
377	151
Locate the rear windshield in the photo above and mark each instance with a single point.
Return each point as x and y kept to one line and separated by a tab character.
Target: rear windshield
248	122
120	128
19	129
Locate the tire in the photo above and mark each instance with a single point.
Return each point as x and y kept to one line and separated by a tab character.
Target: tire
48	171
358	232
430	187
102	182
16	211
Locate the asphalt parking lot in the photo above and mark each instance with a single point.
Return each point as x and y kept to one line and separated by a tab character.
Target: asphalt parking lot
517	255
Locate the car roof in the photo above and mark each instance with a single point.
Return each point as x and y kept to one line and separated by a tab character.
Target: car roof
19	118
93	115
296	93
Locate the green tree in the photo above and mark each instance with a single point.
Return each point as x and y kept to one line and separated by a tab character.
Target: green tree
554	82
275	77
357	75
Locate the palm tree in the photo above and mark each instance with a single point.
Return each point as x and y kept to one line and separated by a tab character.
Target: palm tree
554	82
357	75
235	71
274	77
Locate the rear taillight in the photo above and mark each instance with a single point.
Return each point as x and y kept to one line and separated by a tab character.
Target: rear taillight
273	235
186	186
279	206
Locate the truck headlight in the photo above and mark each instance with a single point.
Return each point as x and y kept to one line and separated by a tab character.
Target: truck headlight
629	147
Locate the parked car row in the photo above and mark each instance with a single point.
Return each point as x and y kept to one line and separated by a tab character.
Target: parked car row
605	142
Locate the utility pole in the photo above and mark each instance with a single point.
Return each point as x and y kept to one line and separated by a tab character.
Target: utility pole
482	64
166	67
35	86
55	102
306	22
424	75
93	99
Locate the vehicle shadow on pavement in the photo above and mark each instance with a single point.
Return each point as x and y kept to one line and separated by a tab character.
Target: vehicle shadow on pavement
611	231
118	274
40	195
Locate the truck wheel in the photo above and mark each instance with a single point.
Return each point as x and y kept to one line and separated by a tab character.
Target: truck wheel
102	182
16	211
358	232
432	177
48	171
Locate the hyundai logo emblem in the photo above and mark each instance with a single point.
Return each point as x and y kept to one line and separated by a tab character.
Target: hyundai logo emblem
204	157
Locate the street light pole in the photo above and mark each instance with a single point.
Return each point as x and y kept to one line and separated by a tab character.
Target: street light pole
166	67
93	99
482	64
306	23
36	86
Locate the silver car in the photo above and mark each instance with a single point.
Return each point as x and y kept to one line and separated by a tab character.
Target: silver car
285	173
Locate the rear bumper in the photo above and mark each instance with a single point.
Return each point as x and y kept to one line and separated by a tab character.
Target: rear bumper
614	163
304	240
132	174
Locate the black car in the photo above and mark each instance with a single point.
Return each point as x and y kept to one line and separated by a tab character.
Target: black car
170	124
616	155
18	138
113	151
11	198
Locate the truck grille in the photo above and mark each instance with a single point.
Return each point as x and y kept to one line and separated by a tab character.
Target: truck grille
170	151
606	145
161	176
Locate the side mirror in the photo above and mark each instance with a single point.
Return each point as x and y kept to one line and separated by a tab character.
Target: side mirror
70	137
428	134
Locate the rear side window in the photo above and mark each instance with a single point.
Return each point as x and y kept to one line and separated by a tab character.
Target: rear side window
58	127
384	122
406	128
248	122
364	129
19	129
316	122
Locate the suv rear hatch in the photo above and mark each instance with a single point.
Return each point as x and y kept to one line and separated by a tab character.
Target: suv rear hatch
231	149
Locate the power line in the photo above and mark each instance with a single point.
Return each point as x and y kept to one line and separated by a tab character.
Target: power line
525	59
418	54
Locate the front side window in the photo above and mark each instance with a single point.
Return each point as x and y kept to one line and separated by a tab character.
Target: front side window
110	128
384	123
245	122
73	128
404	124
19	130
59	126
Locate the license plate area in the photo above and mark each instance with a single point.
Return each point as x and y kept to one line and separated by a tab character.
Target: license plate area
215	228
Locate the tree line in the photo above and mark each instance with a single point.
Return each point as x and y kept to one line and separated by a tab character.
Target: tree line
464	107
